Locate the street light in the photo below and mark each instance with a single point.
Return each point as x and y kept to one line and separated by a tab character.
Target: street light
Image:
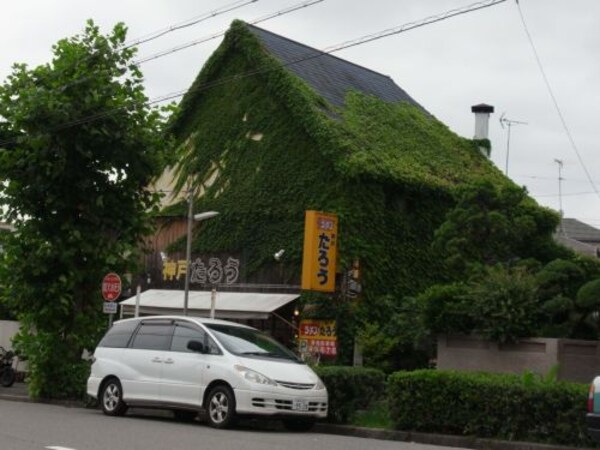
188	249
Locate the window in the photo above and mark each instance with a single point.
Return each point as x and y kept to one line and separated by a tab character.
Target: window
250	342
118	336
155	335
186	332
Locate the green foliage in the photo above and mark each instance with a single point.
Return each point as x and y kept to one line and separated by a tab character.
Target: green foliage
531	378
570	299
505	304
55	369
446	309
493	224
350	389
376	416
390	172
397	339
500	304
74	187
490	406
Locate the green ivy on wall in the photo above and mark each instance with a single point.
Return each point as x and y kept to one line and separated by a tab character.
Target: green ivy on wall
266	147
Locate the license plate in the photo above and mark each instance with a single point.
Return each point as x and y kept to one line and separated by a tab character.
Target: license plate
300	404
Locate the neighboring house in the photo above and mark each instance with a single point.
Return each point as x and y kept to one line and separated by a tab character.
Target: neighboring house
579	237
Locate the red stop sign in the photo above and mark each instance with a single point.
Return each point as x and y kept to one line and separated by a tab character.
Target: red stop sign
111	287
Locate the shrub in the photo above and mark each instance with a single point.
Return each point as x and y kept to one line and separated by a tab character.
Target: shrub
506	407
350	389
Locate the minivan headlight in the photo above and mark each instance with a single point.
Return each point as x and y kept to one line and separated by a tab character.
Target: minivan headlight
254	376
320	385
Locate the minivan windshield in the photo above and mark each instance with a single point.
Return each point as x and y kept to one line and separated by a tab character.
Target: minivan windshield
250	342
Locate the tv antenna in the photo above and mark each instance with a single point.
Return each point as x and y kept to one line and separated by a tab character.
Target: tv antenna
509	123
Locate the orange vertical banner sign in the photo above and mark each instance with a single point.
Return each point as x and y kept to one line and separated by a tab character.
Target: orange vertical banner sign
320	251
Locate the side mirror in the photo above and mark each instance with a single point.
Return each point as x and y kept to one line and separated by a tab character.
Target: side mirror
196	346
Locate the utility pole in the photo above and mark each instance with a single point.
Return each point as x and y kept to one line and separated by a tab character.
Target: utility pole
509	123
560	178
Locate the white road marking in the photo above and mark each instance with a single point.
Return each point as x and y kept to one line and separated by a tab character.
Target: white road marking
56	447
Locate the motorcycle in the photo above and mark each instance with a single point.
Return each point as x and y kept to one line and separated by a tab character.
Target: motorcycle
7	373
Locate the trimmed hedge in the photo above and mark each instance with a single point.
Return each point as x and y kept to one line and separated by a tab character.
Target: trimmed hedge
508	407
350	389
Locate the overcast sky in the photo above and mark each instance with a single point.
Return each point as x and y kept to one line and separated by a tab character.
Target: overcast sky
479	57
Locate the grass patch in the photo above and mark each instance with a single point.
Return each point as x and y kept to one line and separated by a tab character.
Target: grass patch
375	417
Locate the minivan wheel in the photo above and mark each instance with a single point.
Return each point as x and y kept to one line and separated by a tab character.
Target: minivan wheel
111	398
299	424
220	407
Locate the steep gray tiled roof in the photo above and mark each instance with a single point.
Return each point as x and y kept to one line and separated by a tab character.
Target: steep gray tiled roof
330	76
580	231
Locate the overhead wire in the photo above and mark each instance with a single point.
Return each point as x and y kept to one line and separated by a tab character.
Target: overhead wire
167	52
188	23
572	194
336	48
153	36
211	37
555	102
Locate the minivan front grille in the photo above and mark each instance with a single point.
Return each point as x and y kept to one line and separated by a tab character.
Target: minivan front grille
286	405
291	385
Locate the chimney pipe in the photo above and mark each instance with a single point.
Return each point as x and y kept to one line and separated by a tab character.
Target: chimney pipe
482	119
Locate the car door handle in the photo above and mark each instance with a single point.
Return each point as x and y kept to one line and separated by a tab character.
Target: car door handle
169	361
157	360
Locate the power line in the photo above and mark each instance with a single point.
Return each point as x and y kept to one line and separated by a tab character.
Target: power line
147	38
170	96
211	37
554	100
188	23
348	44
572	194
543	178
137	63
414	25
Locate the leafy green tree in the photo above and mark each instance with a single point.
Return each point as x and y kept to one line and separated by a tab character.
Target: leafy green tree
493	224
505	304
87	144
445	309
399	341
570	300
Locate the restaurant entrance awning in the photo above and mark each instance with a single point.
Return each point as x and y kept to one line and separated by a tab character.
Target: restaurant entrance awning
229	305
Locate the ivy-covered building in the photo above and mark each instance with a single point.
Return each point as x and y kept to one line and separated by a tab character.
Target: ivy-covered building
271	128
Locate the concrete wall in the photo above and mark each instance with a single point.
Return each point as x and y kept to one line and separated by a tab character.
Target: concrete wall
577	360
8	329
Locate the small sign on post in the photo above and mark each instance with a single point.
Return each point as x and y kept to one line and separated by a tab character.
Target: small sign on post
109	308
111	289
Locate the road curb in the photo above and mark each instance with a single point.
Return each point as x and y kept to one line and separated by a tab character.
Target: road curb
447	440
470	442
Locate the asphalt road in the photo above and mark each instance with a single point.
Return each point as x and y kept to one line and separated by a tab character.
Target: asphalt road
34	426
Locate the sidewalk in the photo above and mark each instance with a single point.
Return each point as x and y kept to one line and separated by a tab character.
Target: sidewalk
18	392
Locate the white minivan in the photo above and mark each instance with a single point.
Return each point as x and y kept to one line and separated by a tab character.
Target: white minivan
189	364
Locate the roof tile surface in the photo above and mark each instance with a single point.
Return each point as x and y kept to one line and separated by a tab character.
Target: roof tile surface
330	76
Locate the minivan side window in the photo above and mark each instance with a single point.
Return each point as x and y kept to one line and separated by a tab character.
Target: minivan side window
119	334
184	333
153	336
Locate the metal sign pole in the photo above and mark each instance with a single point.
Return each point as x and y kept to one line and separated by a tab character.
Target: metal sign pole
213	302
